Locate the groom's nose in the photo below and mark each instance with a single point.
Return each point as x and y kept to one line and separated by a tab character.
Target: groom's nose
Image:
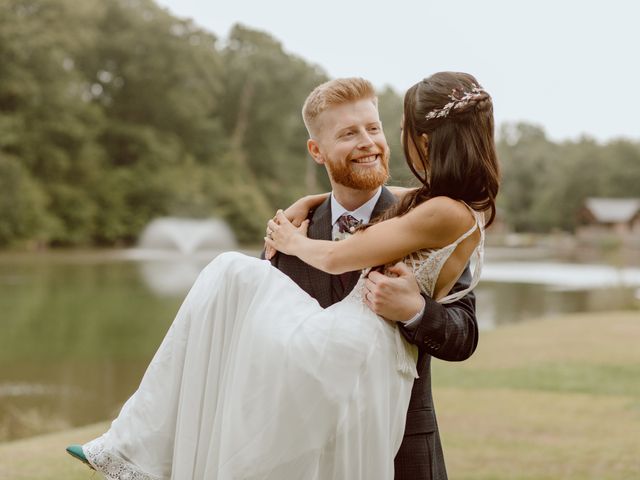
365	140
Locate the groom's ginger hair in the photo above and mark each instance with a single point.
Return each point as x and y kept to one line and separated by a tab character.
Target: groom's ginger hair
332	93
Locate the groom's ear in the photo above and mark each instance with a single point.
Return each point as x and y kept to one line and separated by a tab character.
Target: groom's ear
314	151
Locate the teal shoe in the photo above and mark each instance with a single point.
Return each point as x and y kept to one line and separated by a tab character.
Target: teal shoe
76	452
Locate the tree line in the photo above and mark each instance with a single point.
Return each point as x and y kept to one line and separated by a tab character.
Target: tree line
114	112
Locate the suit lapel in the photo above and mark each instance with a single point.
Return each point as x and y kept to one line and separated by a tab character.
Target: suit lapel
320	229
386	200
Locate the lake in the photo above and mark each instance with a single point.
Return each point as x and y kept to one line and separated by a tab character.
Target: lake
78	329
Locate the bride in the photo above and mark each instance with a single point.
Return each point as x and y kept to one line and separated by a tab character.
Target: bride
255	380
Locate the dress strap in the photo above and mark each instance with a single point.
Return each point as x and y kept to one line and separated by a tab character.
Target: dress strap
477	224
468	233
477	256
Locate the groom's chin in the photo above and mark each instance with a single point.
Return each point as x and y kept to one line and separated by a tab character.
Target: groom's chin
365	181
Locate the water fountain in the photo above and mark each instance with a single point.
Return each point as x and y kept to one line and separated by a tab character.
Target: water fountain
172	251
187	235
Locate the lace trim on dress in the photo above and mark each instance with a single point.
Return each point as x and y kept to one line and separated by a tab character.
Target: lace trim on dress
112	466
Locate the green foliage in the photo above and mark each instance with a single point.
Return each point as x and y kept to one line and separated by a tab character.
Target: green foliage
21	204
390	105
261	113
113	112
545	184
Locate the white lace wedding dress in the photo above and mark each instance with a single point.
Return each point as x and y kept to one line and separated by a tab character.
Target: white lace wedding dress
254	380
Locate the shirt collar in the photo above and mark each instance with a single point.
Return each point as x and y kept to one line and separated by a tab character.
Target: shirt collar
363	212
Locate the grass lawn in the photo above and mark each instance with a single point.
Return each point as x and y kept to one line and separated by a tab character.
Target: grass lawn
552	399
546	400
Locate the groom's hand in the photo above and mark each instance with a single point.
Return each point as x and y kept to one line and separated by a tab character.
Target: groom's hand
396	298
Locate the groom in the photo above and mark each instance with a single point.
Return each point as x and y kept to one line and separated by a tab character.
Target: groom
346	137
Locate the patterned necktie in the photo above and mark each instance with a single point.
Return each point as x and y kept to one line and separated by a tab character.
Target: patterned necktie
347	224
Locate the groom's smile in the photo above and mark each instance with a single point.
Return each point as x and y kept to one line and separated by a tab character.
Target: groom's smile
368	161
360	170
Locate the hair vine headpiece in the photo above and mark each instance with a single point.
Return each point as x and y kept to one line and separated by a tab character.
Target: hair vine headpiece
456	103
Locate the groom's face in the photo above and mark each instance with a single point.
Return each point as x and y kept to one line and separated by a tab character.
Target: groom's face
352	146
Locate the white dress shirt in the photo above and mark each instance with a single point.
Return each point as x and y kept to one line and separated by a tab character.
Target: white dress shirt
362	213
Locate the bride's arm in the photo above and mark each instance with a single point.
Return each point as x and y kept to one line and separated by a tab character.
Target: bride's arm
433	224
299	210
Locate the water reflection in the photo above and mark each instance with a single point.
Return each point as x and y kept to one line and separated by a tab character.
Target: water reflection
170	273
170	278
562	276
79	331
516	291
509	291
504	303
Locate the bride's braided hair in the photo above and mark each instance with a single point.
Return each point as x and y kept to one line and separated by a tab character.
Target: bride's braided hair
456	115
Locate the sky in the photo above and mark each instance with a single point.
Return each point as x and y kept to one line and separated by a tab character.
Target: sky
572	67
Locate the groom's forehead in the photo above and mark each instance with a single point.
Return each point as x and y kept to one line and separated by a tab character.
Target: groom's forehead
349	114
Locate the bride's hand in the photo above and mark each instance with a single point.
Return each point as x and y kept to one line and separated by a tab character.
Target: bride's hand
282	233
297	213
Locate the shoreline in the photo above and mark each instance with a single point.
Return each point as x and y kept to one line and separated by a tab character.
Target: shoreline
625	257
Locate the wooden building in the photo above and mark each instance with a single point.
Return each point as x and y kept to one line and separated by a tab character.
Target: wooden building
619	217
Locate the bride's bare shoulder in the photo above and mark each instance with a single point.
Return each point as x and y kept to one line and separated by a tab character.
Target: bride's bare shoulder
450	218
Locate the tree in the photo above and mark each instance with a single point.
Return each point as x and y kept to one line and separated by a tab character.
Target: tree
390	107
545	184
21	204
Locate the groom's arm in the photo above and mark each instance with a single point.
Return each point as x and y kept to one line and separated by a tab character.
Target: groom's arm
448	332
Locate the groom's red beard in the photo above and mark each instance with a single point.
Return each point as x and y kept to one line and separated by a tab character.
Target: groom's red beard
352	176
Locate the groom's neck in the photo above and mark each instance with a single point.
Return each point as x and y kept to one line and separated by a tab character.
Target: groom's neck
352	199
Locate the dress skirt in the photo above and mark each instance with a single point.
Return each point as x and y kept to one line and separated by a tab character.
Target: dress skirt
254	380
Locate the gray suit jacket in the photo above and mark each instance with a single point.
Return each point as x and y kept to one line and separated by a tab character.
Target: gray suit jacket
448	332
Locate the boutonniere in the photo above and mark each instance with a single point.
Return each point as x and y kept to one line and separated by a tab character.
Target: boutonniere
341	236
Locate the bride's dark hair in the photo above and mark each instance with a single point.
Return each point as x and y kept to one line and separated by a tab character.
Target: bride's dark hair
456	114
